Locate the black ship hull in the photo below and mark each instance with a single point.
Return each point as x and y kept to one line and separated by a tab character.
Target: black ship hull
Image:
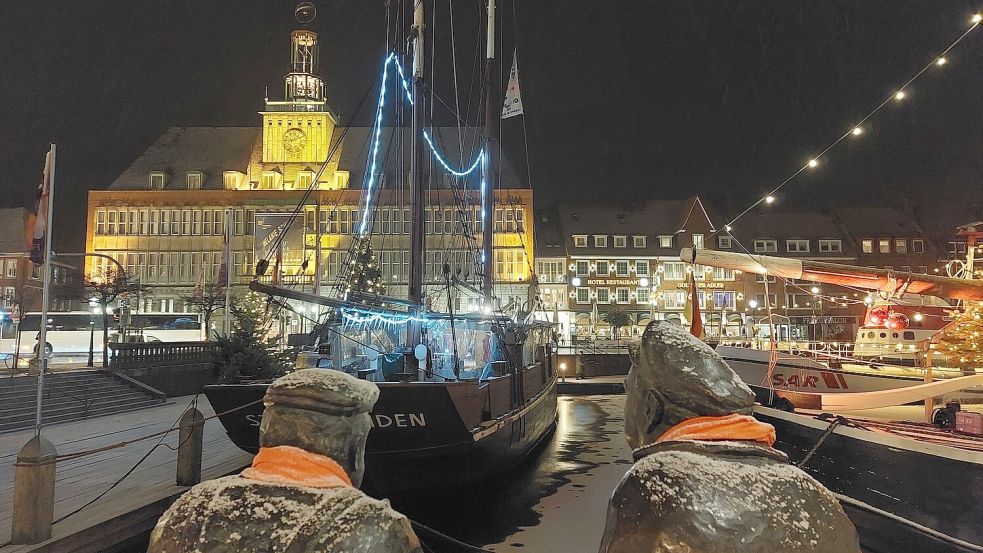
429	435
902	494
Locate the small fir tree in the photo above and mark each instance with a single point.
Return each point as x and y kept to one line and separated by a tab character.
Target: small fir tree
365	275
250	351
962	340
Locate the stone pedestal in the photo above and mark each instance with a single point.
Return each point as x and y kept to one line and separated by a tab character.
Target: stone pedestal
34	492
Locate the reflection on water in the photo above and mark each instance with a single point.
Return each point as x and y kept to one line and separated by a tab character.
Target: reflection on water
489	514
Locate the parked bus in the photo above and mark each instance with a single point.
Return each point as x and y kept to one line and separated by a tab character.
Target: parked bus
68	332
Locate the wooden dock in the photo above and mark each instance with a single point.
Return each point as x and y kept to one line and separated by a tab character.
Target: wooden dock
134	505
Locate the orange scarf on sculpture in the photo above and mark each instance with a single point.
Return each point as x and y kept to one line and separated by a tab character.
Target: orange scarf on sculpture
727	427
286	464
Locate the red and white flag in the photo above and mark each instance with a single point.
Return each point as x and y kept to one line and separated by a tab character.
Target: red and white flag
696	320
37	222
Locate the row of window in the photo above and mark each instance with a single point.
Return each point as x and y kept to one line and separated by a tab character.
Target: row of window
900	245
395	220
8	270
173	267
798	246
793	301
172	222
641	241
671	299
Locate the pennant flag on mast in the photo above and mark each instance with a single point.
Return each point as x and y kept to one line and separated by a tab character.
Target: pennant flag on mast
37	222
513	98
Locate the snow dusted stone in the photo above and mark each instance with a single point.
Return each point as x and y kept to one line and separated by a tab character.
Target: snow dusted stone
234	514
674	376
739	497
323	390
709	496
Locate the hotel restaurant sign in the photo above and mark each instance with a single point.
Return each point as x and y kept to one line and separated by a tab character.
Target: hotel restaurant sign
612	282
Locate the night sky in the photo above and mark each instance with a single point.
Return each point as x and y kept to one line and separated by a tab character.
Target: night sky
624	99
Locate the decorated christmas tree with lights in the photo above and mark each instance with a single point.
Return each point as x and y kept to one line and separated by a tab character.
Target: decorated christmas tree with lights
962	339
365	275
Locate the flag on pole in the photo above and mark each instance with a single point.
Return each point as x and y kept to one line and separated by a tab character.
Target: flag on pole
222	278
199	291
37	222
696	320
513	98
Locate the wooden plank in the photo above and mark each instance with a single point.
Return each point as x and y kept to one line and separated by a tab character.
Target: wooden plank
139	499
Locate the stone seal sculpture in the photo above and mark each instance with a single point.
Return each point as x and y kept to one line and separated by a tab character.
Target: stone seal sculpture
301	492
706	478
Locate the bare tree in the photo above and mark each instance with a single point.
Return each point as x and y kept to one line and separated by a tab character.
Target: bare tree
104	287
207	300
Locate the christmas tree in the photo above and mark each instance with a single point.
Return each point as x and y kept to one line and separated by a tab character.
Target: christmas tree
251	351
365	275
962	339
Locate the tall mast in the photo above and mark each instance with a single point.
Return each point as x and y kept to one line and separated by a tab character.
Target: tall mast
492	109
417	244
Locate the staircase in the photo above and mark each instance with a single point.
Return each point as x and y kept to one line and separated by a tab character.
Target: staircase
70	396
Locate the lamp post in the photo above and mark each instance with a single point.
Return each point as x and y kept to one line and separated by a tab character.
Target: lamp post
93	306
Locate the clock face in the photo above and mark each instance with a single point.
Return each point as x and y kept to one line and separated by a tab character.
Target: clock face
294	141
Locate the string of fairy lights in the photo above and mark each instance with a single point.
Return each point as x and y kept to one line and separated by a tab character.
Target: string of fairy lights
370	317
857	129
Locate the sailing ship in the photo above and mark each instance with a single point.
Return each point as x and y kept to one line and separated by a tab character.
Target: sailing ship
888	355
907	486
463	396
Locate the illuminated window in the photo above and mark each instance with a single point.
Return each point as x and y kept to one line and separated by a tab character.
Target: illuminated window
884	245
675	299
583	295
11	268
665	241
642	268
600	241
304	180
675	270
9	296
583	268
580	240
269	180
867	245
719	273
620	241
603	295
194	180
603	268
623	295
638	241
230	180
697	241
621	268
642	295
101	222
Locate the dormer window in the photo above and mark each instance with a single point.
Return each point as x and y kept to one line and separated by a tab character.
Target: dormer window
230	180
304	180
269	180
194	180
157	179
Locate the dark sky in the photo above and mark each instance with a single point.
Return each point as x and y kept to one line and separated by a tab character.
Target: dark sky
624	99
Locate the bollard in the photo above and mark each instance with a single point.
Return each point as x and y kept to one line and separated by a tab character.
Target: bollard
189	448
34	492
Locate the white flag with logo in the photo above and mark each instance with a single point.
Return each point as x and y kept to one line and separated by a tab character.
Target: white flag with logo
513	98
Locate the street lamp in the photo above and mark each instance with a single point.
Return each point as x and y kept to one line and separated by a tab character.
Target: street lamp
93	308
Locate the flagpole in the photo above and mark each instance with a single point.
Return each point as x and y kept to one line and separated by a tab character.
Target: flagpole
45	289
227	323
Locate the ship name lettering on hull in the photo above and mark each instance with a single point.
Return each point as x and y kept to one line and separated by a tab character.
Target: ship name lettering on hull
399	420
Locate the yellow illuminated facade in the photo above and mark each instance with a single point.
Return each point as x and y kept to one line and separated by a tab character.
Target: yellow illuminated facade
163	219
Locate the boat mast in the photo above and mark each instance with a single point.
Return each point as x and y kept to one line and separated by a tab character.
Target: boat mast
492	110
417	196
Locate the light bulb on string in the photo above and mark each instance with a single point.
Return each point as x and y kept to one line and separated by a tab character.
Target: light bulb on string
857	131
899	95
941	61
769	199
813	162
977	18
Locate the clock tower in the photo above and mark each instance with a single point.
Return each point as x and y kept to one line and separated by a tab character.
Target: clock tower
298	129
